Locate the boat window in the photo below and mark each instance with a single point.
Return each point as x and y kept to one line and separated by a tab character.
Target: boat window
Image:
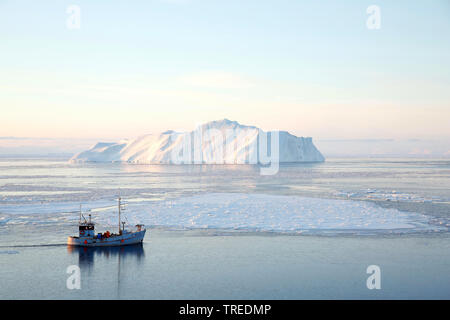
86	228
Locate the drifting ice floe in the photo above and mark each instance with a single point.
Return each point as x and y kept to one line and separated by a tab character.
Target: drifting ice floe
248	212
277	213
373	194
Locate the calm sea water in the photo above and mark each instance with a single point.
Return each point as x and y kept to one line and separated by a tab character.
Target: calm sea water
39	200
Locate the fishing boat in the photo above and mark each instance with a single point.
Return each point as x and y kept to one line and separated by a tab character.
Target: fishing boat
88	238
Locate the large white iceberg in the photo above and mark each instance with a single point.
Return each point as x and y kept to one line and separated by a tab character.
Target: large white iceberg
215	142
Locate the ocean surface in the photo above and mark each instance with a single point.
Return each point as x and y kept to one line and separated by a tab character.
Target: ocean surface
227	232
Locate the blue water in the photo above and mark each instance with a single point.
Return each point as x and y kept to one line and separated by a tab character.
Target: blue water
39	199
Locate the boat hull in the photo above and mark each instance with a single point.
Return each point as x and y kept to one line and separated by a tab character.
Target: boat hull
114	241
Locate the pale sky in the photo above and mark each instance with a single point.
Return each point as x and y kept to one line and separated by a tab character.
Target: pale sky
312	68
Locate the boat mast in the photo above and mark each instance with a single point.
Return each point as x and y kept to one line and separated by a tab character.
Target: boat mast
80	215
119	215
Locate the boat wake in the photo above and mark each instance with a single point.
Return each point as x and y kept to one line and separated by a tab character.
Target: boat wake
35	245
